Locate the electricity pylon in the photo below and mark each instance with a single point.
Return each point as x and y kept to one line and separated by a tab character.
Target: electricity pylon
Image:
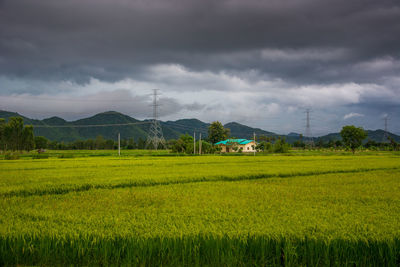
385	137
308	139
155	138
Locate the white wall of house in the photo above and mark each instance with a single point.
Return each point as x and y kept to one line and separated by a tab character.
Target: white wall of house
250	147
246	148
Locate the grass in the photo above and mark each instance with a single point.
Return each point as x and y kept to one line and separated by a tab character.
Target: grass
268	210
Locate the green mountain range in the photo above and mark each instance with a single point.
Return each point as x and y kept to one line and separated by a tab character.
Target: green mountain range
129	127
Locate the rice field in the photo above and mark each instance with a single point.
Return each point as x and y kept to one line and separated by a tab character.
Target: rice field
282	210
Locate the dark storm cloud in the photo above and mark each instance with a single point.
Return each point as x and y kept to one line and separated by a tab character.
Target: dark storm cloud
256	62
44	106
308	41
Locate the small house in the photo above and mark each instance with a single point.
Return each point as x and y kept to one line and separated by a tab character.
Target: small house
237	145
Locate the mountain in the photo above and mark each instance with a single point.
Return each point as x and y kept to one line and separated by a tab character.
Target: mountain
129	128
377	136
55	121
7	114
188	126
132	128
242	131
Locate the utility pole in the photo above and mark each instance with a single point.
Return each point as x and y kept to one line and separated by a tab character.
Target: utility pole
254	137
155	136
200	145
119	144
194	143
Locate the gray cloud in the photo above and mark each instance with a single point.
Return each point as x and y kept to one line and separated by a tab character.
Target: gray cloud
74	107
207	56
309	40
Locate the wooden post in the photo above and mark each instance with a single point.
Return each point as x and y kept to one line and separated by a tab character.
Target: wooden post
200	145
254	137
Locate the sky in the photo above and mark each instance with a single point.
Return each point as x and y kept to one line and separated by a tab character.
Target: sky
259	63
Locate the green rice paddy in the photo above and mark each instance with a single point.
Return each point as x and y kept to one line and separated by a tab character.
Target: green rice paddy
308	210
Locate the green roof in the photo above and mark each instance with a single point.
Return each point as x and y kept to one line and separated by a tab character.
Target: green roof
234	141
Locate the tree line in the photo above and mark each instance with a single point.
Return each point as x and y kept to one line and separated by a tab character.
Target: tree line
16	136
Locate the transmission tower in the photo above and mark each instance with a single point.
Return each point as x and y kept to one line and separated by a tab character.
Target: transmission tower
155	136
385	137
308	140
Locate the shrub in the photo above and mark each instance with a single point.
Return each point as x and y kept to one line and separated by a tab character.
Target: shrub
40	156
65	156
281	146
11	156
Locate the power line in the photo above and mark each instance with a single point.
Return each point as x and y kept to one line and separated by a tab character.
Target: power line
185	127
32	97
89	125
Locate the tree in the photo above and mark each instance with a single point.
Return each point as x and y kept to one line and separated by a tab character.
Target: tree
217	132
206	148
13	133
338	143
141	143
28	139
183	145
99	142
41	142
15	136
2	137
264	146
131	144
352	136
281	146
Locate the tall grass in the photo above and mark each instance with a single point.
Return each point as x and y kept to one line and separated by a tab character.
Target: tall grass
197	251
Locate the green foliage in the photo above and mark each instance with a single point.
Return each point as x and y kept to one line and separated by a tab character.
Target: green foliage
65	156
2	136
264	146
280	146
40	156
185	145
28	138
207	148
11	155
217	132
13	133
16	136
352	136
41	142
338	143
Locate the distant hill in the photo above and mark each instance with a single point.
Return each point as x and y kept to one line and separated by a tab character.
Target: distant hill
72	130
242	131
187	126
376	136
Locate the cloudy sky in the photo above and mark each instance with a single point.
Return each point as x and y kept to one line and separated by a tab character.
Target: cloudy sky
260	63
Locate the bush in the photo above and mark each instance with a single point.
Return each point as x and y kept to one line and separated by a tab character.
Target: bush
40	156
65	156
281	146
11	156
